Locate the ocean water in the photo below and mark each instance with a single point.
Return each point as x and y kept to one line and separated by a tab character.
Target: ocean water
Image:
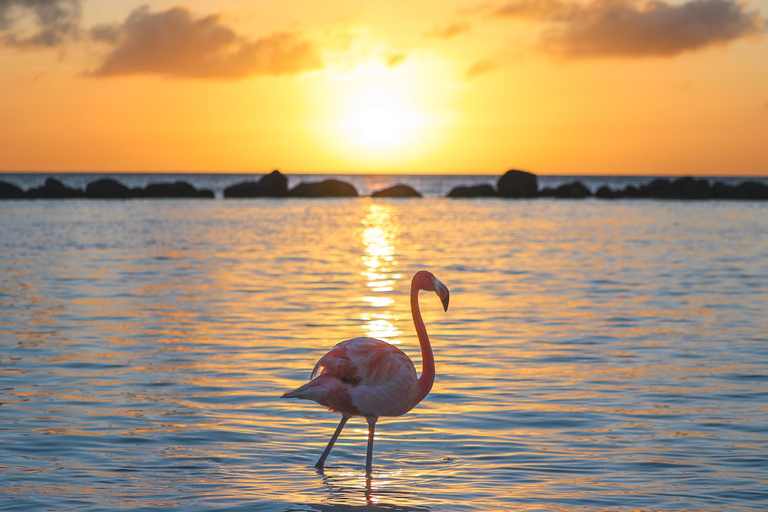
596	355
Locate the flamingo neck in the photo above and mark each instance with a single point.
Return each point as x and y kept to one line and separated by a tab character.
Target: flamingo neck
427	359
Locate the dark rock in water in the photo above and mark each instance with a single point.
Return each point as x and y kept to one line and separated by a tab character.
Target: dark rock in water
176	189
631	191
10	191
473	191
516	183
658	188
753	189
744	190
274	184
575	190
721	190
397	191
547	192
606	192
689	188
327	188
54	189
108	189
681	188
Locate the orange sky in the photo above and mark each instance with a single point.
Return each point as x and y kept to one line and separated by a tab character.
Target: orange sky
550	86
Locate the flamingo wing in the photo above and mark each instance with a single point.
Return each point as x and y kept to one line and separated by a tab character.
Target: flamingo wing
362	376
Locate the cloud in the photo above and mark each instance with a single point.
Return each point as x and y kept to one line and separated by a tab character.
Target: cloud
395	59
481	67
450	31
174	43
629	28
54	22
542	10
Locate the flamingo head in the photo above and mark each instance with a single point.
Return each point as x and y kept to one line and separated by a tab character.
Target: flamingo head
424	280
442	291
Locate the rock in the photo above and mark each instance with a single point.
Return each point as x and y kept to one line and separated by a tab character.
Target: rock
108	189
689	188
473	191
753	189
10	191
721	190
606	192
327	188
658	188
274	184
54	189
516	183
744	190
176	189
397	191
547	192
575	190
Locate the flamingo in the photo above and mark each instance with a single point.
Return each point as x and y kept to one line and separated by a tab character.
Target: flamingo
370	377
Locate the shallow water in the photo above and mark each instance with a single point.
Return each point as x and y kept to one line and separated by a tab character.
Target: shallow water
596	355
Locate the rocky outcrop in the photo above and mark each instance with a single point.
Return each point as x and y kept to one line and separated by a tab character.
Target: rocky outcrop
516	184
575	190
688	188
473	191
110	189
274	184
397	191
327	188
744	190
681	188
54	189
606	192
175	189
10	191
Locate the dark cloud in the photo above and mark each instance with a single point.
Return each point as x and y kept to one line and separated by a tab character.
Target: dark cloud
627	28
450	31
54	22
174	43
108	33
481	67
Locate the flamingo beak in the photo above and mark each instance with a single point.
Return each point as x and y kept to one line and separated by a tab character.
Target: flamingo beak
442	291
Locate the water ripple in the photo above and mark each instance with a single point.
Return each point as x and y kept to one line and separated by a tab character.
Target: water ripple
595	357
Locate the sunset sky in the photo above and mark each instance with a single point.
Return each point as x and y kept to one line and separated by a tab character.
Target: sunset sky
669	87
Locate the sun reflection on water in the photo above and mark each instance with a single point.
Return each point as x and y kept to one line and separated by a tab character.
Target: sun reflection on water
378	238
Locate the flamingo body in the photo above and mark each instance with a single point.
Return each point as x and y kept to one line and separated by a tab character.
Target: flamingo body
363	377
370	377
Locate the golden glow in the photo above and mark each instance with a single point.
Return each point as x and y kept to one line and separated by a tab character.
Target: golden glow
379	116
376	117
379	260
441	89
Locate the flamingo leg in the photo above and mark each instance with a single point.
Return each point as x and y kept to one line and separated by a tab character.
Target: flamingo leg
369	455
321	462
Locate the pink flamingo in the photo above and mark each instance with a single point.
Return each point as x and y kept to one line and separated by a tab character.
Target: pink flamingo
371	378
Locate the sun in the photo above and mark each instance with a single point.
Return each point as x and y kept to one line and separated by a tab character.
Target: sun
372	117
368	116
376	116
